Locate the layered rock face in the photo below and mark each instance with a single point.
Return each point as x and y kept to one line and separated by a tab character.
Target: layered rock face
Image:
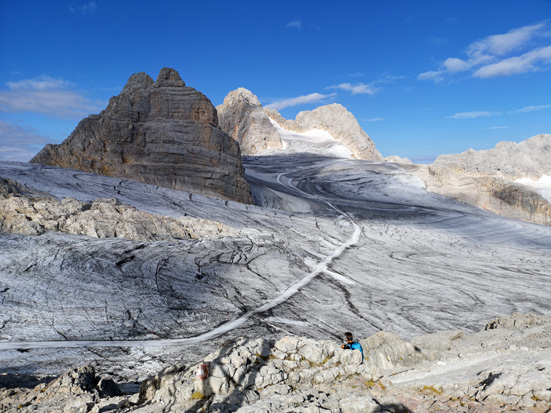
486	178
336	120
161	133
242	117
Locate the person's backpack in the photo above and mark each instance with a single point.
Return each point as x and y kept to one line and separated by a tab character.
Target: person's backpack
357	346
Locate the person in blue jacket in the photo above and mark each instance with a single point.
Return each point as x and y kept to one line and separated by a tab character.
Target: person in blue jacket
351	344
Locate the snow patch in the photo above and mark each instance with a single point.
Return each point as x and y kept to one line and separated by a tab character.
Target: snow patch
286	321
317	141
542	185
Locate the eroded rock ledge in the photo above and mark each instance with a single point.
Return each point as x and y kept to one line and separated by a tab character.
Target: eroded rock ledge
25	211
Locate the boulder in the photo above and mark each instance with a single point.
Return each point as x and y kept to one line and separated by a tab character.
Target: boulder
161	133
78	390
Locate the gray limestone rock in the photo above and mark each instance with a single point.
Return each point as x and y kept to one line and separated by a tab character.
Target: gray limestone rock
241	116
336	120
519	321
245	120
528	159
101	218
246	371
504	371
162	133
486	178
77	390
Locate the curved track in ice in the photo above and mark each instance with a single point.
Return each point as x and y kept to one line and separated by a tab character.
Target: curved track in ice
420	262
321	267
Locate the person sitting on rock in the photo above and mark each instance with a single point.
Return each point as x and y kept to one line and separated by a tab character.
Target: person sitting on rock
352	345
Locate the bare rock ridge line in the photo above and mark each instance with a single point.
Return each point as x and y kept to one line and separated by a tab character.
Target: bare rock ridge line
487	178
245	120
161	133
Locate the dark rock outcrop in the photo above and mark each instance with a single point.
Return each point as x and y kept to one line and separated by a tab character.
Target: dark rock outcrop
161	133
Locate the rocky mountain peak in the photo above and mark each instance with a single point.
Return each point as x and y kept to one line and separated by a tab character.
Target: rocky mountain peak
245	120
169	77
137	81
242	95
336	120
241	116
162	133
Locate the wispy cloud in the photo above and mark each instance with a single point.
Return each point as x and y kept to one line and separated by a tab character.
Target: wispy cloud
356	88
375	119
532	108
499	127
486	114
19	143
42	82
44	95
472	115
300	100
519	51
528	62
295	24
85	9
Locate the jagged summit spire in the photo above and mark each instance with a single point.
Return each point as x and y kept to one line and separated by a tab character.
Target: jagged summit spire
169	77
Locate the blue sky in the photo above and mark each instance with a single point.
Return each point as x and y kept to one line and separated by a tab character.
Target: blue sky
422	78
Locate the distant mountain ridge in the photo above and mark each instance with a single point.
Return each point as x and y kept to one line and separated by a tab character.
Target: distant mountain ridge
488	178
244	119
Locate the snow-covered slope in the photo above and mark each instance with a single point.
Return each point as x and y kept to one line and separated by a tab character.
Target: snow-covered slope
542	185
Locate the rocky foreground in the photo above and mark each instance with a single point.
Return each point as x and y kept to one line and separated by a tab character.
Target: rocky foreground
506	367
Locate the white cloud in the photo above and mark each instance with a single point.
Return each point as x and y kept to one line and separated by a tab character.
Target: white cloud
355	89
532	108
300	100
55	103
520	50
434	75
19	143
295	24
42	82
43	95
501	44
85	9
453	64
528	62
471	115
375	119
499	127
